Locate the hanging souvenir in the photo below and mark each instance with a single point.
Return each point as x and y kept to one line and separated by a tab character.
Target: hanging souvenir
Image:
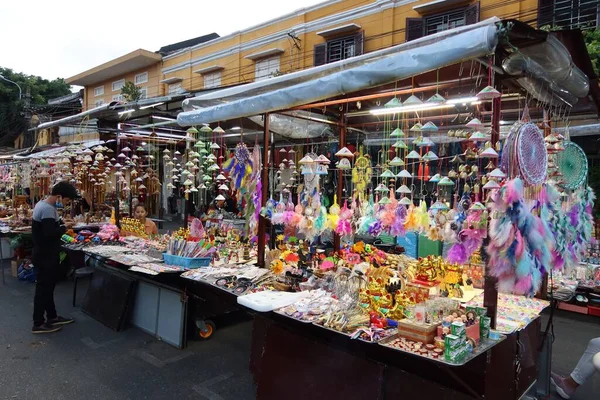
239	166
519	254
367	215
572	163
334	215
362	172
344	226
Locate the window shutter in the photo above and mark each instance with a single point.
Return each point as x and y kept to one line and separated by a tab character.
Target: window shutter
472	14
545	12
320	54
414	28
359	43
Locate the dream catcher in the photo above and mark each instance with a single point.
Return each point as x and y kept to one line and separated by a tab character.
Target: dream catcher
519	250
531	154
239	166
309	172
361	173
572	163
252	194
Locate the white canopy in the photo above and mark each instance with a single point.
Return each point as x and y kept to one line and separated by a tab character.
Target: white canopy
346	76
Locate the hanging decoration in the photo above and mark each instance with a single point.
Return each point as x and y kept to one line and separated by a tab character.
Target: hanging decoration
239	166
519	250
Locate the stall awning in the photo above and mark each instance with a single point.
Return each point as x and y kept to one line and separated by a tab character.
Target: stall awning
74	119
358	73
57	149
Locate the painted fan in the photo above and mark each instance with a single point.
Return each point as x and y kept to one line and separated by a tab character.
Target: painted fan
573	165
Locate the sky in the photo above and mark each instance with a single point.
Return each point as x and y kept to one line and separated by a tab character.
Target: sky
61	38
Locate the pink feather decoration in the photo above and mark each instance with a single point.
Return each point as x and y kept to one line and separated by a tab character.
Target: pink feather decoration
514	191
296	219
457	254
387	218
472	245
288	217
344	227
523	285
277	218
520	245
345	212
506	284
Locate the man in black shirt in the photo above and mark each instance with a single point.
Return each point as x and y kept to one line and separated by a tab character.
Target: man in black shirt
47	230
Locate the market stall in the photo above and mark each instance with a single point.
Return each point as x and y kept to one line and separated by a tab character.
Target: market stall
368	212
414	159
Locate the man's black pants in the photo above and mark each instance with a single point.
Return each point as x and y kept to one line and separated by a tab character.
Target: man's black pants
46	278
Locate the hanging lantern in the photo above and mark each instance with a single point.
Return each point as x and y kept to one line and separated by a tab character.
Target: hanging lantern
488	93
397	133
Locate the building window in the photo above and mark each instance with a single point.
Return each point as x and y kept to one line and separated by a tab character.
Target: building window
118	85
98	103
117	97
266	68
339	49
212	79
143	93
174	88
141	78
443	22
99	91
430	24
569	14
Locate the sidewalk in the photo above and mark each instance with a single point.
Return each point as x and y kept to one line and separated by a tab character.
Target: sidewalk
87	360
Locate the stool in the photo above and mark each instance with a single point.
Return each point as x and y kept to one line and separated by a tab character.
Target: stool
78	274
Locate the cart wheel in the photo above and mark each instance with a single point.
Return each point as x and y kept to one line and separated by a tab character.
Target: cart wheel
208	330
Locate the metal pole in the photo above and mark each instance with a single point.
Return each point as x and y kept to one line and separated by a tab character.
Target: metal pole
117	191
340	178
14	83
262	221
490	288
186	209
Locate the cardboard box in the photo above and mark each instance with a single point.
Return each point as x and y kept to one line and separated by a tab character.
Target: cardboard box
410	243
427	247
458	329
423	333
472	332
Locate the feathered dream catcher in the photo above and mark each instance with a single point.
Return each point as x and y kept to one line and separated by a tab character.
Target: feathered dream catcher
571	225
520	249
344	226
367	215
239	166
252	194
417	219
470	237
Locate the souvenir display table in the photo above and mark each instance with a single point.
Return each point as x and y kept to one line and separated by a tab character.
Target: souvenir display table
578	290
379	372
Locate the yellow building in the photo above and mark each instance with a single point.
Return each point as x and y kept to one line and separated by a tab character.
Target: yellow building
324	33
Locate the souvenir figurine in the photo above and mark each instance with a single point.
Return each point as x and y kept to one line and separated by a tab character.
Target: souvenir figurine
470	318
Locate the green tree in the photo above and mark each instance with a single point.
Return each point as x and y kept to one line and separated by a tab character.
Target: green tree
12	113
592	42
131	92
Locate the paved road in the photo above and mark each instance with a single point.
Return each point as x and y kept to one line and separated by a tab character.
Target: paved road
88	361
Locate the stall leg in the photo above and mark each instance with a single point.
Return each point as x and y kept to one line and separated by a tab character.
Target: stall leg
262	222
340	180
